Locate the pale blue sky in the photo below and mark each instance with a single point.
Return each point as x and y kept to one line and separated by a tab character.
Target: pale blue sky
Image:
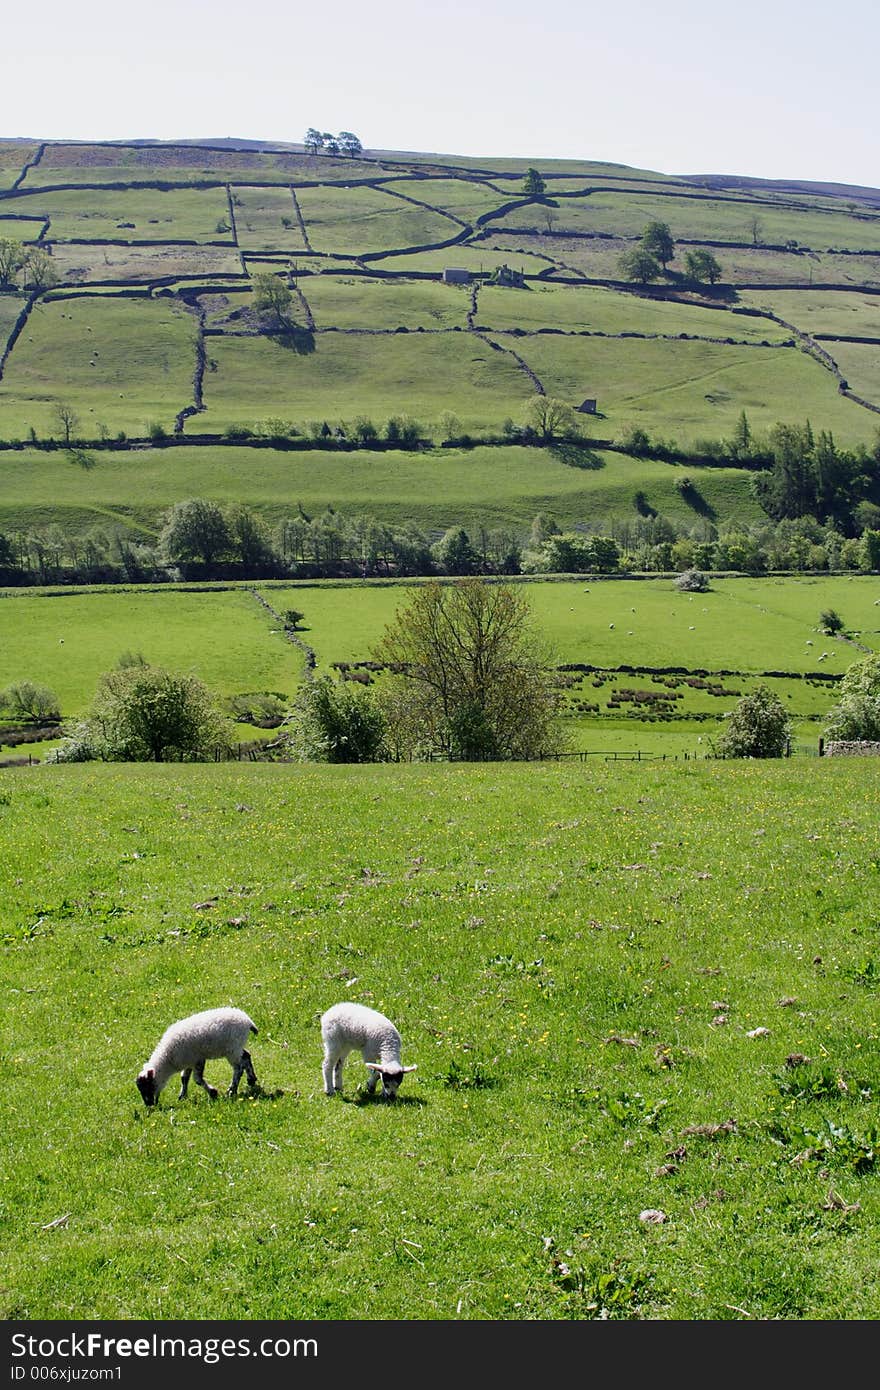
772	88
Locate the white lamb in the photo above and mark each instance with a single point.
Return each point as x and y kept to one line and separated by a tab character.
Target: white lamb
349	1027
188	1044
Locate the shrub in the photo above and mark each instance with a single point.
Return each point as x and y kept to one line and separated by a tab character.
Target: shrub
857	715
26	700
692	582
758	727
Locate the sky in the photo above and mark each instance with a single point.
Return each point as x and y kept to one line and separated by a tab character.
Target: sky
780	89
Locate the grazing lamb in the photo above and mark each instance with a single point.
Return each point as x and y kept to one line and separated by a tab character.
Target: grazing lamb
347	1027
188	1044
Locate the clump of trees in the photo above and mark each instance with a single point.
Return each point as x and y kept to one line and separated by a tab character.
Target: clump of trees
648	260
32	265
533	183
323	142
757	727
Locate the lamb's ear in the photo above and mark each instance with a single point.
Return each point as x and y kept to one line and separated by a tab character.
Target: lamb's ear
374	1066
412	1068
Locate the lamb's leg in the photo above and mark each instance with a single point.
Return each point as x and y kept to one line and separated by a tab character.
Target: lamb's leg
184	1082
249	1068
372	1078
329	1072
337	1074
237	1069
199	1073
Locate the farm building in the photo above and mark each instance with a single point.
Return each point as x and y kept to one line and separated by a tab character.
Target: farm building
454	276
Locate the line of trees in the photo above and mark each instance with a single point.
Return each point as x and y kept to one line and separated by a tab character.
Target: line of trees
324	142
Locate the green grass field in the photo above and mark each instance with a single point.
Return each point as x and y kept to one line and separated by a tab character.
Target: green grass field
266	220
87	264
609	311
815	311
345	376
356	302
11	306
358	220
625	215
121	363
860	365
692	390
504	486
69	640
135	214
97	164
599	970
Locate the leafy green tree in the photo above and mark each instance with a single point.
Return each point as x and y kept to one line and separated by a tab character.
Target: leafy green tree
657	241
146	714
271	295
28	700
195	530
349	144
869	551
533	184
313	140
39	271
639	266
830	622
701	265
856	716
455	554
468	676
12	255
549	417
758	727
249	540
336	722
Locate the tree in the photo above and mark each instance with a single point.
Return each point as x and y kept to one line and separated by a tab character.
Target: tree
12	255
758	727
455	553
856	716
146	714
195	530
349	144
756	229
701	265
549	417
271	295
313	140
830	622
657	241
468	676
336	722
292	618
639	265
330	143
66	419
27	700
533	184
39	272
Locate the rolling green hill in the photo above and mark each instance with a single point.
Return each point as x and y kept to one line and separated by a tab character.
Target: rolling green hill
135	322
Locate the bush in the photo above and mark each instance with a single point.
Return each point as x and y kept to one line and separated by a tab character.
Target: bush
692	582
335	722
145	714
830	622
758	727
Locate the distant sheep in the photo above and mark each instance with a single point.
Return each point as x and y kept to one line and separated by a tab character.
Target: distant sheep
188	1044
355	1027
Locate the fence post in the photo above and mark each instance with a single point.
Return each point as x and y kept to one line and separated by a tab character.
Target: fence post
821	746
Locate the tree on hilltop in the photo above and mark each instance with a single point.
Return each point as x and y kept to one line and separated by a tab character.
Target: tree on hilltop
313	140
533	184
349	144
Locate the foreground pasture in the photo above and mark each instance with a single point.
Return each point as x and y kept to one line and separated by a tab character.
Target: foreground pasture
601	973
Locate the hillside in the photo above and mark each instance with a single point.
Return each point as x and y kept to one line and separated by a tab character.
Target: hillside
137	329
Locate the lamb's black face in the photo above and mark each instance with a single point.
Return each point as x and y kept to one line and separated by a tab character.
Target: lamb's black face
391	1079
146	1084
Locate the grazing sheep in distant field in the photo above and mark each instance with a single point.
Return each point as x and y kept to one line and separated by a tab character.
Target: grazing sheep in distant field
349	1027
188	1044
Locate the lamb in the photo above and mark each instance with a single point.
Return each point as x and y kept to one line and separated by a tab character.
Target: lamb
346	1027
189	1043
